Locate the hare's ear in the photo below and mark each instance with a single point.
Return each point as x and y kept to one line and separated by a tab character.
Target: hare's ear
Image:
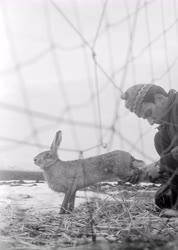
56	142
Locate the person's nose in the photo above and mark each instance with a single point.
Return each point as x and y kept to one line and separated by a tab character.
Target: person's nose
150	121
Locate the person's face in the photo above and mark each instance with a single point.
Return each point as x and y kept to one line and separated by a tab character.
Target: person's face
150	112
154	112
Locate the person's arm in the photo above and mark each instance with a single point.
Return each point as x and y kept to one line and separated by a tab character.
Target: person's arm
174	153
171	157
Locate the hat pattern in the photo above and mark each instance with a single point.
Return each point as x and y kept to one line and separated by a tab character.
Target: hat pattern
134	97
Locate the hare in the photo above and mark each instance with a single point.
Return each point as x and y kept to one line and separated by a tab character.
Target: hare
70	176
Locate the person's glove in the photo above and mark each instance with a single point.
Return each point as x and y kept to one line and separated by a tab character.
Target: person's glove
174	153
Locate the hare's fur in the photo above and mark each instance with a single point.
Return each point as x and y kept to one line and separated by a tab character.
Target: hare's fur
70	176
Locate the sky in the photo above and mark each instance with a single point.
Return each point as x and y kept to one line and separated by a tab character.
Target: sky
64	65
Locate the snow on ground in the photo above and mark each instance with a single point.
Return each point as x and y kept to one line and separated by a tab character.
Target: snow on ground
38	196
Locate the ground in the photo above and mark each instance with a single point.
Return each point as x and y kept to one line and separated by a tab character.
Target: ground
107	216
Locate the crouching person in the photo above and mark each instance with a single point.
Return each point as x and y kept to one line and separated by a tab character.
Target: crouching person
153	103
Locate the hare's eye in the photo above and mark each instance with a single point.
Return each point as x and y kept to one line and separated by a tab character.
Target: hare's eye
48	155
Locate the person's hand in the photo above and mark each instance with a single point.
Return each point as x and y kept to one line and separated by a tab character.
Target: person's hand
153	171
174	152
150	172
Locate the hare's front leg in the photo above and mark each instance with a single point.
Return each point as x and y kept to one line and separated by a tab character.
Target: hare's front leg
72	201
68	201
63	209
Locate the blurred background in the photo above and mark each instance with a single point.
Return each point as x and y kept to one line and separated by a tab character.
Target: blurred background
64	65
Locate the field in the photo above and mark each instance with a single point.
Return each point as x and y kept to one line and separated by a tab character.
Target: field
107	216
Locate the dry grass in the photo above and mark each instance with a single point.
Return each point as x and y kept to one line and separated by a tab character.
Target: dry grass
132	219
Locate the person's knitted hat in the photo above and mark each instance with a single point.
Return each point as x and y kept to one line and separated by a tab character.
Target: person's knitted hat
134	97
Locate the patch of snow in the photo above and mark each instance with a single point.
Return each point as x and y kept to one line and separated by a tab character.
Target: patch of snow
39	197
